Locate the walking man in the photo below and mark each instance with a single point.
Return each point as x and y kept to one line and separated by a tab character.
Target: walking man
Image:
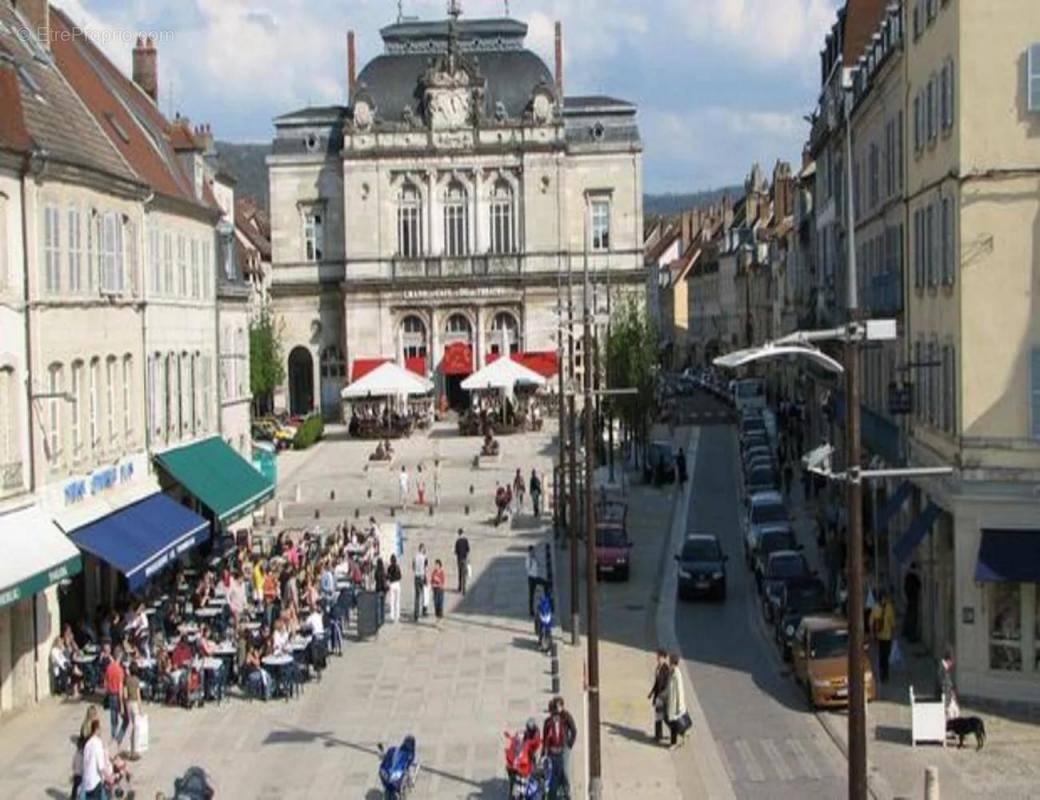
659	692
462	559
558	736
533	578
402	485
436	481
535	487
519	487
393	579
419	565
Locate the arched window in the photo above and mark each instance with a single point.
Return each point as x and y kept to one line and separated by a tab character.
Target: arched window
128	396
77	410
54	437
504	331
332	363
457	328
413	337
503	236
456	220
409	222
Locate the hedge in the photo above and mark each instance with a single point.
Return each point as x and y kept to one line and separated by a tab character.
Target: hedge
312	429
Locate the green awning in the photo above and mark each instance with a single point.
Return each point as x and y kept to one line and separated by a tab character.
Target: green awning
217	477
36	554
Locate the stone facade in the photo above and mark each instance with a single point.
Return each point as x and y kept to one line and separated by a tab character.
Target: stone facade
401	227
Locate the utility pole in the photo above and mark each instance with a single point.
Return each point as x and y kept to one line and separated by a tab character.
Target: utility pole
606	370
592	632
857	687
559	478
572	495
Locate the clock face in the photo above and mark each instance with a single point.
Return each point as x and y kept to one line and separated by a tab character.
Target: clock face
362	114
450	108
542	108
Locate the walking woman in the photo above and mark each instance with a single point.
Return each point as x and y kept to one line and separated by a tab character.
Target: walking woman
675	705
381	590
437	584
393	578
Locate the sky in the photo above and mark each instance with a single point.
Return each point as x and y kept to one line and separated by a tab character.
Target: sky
720	84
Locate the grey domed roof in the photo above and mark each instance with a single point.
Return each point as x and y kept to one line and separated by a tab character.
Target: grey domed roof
495	46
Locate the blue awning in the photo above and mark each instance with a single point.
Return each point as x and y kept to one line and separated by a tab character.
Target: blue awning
141	539
1009	555
915	534
893	504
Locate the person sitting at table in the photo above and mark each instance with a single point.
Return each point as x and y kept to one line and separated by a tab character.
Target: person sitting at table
205	645
67	676
165	678
69	641
328	581
257	679
280	638
236	597
202	594
137	632
316	622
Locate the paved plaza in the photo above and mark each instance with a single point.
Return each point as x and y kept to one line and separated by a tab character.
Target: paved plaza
456	688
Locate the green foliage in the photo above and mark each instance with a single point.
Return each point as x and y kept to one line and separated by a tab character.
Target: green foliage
266	370
632	362
312	429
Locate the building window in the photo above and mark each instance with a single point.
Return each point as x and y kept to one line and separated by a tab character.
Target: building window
409	222
207	271
1033	78
929	245
313	233
55	387
502	234
456	220
946	95
504	331
949	251
918	123
457	328
111	254
154	261
242	362
933	107
94	403
168	263
207	368
949	391
196	286
194	393
77	409
130	236
174	397
9	445
110	397
600	213
874	167
1005	632
128	392
182	266
413	337
75	251
51	250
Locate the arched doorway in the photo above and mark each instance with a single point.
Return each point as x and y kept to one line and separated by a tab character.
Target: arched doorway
504	336
301	381
333	371
457	363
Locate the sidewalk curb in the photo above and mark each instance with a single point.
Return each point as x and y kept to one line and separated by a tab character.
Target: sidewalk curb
877	786
706	754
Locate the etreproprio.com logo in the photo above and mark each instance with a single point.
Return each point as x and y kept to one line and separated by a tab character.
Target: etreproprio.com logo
99	36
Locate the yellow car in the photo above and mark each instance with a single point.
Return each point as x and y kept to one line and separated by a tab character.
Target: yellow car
820	657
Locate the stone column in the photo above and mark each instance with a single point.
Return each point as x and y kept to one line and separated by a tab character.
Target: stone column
480	235
478	340
435	354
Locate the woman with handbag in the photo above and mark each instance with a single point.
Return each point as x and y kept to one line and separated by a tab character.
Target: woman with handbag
675	703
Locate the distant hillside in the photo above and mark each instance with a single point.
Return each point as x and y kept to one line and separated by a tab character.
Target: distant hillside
655	204
246	163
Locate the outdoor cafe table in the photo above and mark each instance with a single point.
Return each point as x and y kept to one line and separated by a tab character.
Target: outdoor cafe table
209	613
211	667
279	665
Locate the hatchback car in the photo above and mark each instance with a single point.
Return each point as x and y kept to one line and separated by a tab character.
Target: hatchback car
613	551
770	540
820	661
702	567
780	567
765	509
800	598
761	479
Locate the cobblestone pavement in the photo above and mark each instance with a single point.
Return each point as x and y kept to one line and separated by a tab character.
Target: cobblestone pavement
456	687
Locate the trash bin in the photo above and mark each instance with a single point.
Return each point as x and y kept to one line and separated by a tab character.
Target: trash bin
368	614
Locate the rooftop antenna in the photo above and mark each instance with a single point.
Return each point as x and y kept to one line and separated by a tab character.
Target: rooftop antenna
454	10
507	7
400	11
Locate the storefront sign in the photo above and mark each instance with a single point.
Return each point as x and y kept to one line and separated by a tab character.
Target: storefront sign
455	293
97	482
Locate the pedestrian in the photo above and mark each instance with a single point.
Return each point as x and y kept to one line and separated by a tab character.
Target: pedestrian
535	487
96	768
462	560
533	578
883	623
92	715
945	687
501	503
136	721
659	693
115	675
437	584
402	485
420	486
519	487
675	706
680	467
381	591
393	580
436	481
912	592
558	736
419	567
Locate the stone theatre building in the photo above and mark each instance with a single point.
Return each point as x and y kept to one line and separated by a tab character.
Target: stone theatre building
433	220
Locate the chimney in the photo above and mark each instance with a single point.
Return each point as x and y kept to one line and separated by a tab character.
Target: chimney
351	65
37	14
686	232
559	62
204	136
146	67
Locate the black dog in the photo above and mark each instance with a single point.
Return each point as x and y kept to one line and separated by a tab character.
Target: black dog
962	726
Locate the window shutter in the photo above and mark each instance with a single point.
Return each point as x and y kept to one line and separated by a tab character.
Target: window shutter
1033	79
1034	393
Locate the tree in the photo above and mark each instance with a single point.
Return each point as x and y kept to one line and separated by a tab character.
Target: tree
266	370
632	364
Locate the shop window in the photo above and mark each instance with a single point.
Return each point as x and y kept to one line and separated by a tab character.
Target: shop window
1005	633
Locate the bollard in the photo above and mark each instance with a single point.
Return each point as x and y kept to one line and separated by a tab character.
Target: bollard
369	492
317	513
299	493
931	783
357	513
332	494
471	488
554	666
467	511
393	512
431	510
555	684
553	651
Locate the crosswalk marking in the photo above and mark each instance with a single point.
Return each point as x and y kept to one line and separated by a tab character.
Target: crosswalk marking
754	771
806	763
777	760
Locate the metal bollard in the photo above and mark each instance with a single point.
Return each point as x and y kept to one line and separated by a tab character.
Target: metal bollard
931	783
471	488
317	513
370	493
555	684
332	494
554	666
467	511
431	510
393	512
357	513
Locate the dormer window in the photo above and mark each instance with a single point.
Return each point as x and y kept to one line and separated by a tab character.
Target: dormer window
311	142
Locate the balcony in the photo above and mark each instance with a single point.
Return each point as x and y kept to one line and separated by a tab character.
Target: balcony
11	477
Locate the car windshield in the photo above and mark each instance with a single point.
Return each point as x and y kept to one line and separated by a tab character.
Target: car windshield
830	644
786	567
772	541
610	537
802	597
700	550
768	512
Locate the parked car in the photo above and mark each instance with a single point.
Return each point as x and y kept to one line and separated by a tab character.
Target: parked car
820	661
770	541
757	460
800	598
660	463
613	551
765	509
779	567
702	567
761	479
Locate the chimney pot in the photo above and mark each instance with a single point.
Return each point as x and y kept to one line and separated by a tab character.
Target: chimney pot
146	68
38	14
351	64
559	62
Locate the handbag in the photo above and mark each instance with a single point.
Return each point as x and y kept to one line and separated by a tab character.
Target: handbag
469	571
684	723
141	733
427	596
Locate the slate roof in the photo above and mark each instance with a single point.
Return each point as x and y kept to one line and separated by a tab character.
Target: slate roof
862	18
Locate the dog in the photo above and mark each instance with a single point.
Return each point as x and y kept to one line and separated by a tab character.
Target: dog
962	726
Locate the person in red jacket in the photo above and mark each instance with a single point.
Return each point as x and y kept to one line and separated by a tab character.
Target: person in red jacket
558	737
